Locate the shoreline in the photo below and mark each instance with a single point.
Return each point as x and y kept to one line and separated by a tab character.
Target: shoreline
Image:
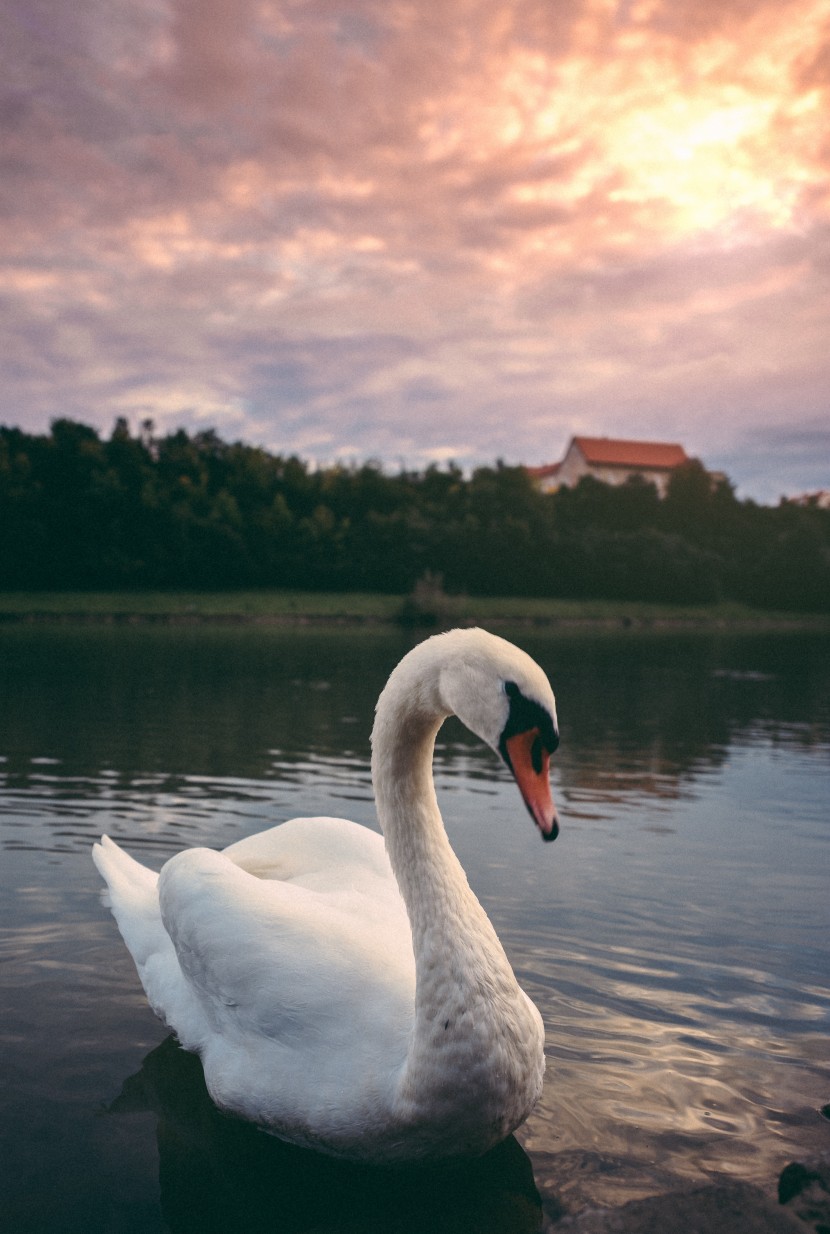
361	610
761	625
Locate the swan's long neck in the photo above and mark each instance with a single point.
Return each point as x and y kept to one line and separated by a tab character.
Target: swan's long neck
470	1013
438	898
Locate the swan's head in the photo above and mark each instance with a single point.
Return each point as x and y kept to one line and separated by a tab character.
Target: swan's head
504	697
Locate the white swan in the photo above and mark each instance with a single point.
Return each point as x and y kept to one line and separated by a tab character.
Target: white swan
345	996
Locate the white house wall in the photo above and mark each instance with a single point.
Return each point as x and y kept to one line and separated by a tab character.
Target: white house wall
574	466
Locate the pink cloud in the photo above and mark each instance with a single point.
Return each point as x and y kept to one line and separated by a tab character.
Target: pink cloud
488	224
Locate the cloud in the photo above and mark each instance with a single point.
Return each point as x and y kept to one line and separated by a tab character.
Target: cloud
461	230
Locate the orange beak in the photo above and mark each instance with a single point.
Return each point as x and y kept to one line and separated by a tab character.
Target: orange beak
530	764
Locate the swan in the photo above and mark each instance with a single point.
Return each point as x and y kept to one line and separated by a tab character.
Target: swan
346	991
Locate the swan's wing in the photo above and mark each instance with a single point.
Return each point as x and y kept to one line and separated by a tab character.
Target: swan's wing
305	968
298	995
318	852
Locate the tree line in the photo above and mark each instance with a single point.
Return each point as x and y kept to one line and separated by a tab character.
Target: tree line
78	511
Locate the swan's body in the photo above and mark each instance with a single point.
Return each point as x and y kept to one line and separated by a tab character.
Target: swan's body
344	994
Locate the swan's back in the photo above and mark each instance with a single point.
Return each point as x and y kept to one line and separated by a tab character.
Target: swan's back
289	954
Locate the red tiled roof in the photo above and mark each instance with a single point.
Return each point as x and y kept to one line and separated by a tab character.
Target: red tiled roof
542	473
608	452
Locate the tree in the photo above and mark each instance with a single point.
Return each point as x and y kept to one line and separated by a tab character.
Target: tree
186	510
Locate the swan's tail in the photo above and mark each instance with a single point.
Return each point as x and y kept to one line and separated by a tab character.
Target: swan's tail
132	894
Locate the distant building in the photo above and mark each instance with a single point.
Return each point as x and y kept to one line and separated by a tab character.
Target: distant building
820	498
612	462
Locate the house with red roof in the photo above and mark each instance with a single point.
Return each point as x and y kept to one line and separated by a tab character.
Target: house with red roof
612	461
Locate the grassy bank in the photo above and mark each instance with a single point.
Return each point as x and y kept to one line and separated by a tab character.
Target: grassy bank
358	607
198	605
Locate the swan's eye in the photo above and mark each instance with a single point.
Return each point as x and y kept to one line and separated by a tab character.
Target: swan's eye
528	717
536	755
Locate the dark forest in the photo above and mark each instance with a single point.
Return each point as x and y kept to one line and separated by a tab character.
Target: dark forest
183	511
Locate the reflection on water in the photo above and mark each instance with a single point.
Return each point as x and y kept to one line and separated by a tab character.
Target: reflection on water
675	937
218	1174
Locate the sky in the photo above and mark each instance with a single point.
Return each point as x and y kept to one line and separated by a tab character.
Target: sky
418	232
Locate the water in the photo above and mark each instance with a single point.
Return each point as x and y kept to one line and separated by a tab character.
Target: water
675	937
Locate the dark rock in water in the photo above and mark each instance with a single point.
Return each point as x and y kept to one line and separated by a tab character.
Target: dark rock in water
804	1188
731	1208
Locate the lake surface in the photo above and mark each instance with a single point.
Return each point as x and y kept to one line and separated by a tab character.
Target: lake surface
675	938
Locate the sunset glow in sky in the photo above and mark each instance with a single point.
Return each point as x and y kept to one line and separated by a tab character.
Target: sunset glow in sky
416	232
